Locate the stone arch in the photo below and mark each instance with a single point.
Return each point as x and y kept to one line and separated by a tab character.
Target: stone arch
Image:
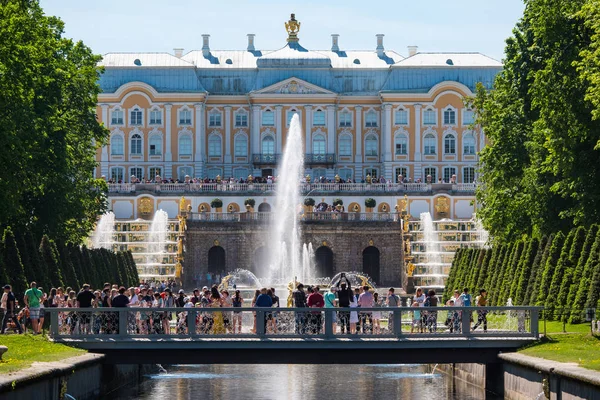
354	207
206	207
233	207
216	260
324	262
264	207
383	208
371	263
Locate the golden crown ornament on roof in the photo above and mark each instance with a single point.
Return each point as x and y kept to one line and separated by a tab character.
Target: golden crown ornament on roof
292	27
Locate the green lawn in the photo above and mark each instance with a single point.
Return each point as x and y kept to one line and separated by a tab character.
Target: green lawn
580	348
25	349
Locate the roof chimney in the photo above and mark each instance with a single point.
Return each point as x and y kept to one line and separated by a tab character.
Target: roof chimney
334	42
251	42
205	46
412	50
380	48
178	52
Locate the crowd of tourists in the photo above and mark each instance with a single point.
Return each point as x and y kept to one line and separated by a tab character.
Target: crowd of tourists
366	319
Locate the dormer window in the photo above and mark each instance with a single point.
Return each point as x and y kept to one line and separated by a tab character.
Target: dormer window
116	117
371	119
268	118
185	117
319	118
136	116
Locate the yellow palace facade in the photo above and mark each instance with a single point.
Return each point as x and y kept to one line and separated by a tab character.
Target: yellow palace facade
212	113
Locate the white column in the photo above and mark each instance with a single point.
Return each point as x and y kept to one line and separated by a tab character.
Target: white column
279	121
358	132
417	155
387	132
104	154
308	127
200	137
168	172
228	134
255	133
331	129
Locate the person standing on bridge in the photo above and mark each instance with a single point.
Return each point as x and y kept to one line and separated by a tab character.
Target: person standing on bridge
481	301
315	300
366	300
345	297
300	302
329	298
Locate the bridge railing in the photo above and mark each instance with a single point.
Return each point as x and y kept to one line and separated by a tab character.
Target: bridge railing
326	323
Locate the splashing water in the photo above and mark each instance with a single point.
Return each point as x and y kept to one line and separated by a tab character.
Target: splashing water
434	259
158	237
103	236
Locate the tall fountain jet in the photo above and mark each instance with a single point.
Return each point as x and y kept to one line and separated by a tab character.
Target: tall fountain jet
103	236
287	260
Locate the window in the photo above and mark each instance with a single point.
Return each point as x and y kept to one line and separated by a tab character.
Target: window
183	171
116	117
319	118
290	114
318	173
345	119
450	144
319	144
429	142
468	117
449	117
371	119
346	173
137	172
214	146
185	145
241	119
401	171
433	172
155	117
214	119
371	171
136	116
469	144
268	118
268	145
116	145
345	145
136	144
429	117
401	117
468	174
117	174
241	146
185	117
241	173
401	144
371	146
155	145
213	172
448	172
155	171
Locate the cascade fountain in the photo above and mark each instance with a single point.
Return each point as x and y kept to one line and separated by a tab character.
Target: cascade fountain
157	238
434	277
289	258
103	236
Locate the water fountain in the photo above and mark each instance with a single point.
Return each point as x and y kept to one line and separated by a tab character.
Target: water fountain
433	276
241	278
290	259
103	236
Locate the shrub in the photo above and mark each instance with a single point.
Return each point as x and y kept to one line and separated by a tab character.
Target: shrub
216	203
338	201
309	202
249	202
370	202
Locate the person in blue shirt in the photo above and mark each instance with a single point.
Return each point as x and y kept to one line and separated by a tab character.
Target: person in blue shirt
466	298
264	300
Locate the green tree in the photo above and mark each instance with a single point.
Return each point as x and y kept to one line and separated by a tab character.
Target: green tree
48	126
520	292
510	274
557	244
3	277
12	264
37	262
539	263
578	273
68	269
496	295
30	274
562	308
485	266
132	266
48	253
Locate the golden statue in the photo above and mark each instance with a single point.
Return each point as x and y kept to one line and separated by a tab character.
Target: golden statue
307	178
368	178
178	269
292	27
337	178
182	204
411	269
146	206
442	205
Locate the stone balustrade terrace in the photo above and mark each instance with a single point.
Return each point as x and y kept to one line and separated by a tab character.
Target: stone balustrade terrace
305	188
312	217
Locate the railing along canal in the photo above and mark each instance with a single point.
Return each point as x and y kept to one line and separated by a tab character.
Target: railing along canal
326	323
305	188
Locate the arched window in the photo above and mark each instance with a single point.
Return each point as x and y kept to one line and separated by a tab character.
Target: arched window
429	142
401	144
450	144
318	144
469	144
319	118
136	144
185	145
371	148
155	143
136	116
449	116
214	146
241	146
116	145
345	145
268	145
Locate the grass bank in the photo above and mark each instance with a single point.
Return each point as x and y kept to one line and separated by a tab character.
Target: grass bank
23	350
577	345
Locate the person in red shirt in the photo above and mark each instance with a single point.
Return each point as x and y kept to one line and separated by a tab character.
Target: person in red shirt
316	300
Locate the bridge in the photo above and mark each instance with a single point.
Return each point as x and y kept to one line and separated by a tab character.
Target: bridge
293	335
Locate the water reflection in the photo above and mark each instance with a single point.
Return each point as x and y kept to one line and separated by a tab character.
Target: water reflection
300	382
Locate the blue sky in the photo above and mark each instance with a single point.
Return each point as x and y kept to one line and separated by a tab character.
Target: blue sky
160	25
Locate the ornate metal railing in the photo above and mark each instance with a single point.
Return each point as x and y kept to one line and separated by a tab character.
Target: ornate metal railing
307	217
326	323
265	159
305	188
322	159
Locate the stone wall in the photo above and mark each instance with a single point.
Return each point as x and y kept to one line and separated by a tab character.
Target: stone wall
246	245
